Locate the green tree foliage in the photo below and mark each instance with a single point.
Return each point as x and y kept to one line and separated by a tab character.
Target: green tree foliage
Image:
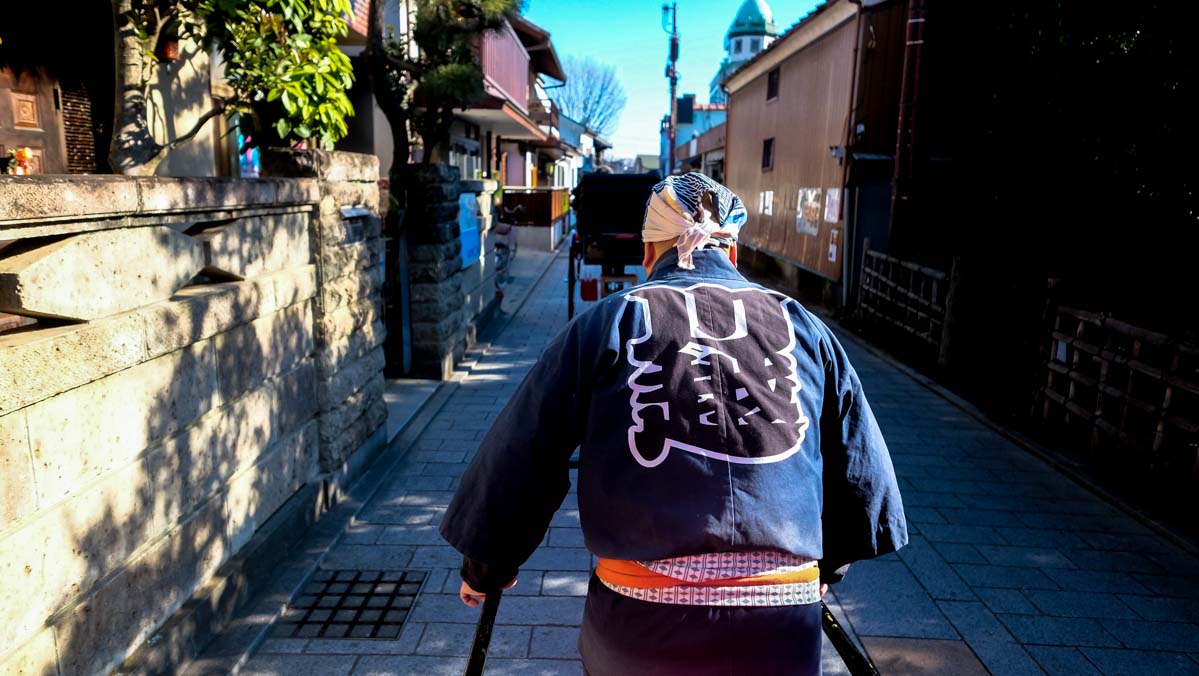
282	51
443	75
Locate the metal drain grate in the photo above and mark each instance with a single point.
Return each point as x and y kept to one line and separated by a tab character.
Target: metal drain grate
356	604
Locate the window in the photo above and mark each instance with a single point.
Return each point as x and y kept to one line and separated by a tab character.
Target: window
768	154
737	46
753	45
772	85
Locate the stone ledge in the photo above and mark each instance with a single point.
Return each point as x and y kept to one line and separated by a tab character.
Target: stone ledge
35	365
81	277
56	201
323	164
258	245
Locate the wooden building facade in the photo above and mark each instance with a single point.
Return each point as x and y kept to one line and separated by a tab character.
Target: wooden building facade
812	136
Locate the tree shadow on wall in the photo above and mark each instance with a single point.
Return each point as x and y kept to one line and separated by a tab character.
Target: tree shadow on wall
229	421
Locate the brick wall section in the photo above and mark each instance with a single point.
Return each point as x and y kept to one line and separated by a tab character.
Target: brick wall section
141	450
79	130
347	246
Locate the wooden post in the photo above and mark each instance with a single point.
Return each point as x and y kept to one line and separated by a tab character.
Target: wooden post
862	275
950	299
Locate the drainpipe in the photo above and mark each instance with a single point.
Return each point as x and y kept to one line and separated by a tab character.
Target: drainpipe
905	136
847	253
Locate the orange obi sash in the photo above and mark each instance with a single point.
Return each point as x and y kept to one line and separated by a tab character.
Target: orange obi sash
634	575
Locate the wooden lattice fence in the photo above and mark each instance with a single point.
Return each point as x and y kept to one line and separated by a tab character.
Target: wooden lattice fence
1122	386
912	298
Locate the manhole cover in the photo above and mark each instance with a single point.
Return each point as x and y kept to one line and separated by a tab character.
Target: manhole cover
357	604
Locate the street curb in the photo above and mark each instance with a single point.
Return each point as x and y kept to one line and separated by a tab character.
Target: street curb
1050	457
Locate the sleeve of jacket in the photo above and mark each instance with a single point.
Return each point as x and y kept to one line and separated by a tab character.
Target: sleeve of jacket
863	513
520	475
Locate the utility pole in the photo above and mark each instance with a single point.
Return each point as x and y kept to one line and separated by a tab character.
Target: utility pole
670	24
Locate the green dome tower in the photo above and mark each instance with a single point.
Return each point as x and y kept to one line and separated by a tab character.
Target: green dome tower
752	30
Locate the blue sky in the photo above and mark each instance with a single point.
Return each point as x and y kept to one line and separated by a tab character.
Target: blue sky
628	35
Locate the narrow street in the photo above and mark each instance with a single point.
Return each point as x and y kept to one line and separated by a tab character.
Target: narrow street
1012	567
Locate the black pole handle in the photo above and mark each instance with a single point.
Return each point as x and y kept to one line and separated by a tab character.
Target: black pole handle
478	649
857	663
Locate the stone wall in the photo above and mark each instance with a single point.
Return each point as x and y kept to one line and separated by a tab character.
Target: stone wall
450	298
347	247
203	352
434	253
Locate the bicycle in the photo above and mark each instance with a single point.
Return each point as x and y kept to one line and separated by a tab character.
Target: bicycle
505	248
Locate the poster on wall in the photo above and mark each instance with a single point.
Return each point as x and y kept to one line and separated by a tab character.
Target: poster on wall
807	215
832	206
766	203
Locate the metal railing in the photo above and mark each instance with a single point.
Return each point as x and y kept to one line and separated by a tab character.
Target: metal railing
539	206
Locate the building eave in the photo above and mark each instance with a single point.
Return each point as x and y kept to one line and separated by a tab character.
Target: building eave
541	49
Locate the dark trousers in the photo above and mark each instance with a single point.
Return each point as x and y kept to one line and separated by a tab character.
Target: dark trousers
622	636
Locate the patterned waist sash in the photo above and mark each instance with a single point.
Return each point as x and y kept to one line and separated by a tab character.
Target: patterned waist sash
721	579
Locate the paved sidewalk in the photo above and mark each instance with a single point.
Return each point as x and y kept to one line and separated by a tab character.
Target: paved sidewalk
1012	568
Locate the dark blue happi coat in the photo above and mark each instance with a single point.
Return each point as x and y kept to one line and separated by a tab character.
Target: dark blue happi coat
712	414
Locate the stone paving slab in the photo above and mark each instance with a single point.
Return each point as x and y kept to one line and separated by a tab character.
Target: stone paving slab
1013	568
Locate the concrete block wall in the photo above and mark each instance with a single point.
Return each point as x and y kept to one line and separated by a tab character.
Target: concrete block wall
142	449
